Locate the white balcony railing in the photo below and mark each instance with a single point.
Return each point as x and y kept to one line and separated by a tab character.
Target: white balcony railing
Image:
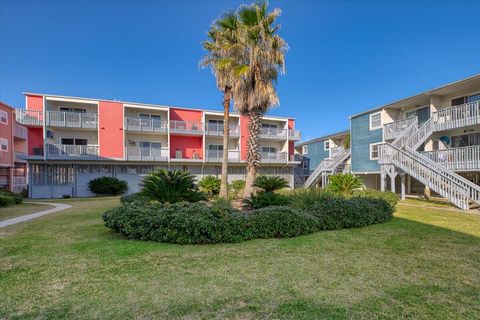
66	151
29	117
294	134
273	157
72	119
19	181
146	125
394	129
217	156
186	127
467	114
146	154
273	133
336	151
20	132
216	129
463	158
20	156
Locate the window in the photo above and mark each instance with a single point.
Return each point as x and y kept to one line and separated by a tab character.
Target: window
375	121
305	165
459	101
268	128
269	150
326	145
475	97
3	117
3	144
215	125
304	149
374	151
74	141
215	147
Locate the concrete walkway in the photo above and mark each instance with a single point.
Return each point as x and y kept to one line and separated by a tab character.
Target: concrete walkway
57	207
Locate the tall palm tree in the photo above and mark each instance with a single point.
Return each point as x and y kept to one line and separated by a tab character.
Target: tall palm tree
222	57
254	94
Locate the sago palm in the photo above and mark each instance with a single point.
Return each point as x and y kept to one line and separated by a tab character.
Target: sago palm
344	184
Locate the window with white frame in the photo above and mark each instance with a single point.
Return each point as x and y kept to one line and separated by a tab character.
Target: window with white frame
74	141
3	144
375	121
269	150
3	117
374	151
76	110
304	149
326	145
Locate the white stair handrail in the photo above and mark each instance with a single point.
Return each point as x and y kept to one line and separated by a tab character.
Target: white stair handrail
327	165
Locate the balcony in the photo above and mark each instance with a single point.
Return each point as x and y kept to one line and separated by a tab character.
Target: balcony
273	157
67	151
464	115
19	183
273	134
294	135
217	156
393	129
146	125
215	129
186	127
457	159
20	132
336	151
72	119
29	117
146	154
20	156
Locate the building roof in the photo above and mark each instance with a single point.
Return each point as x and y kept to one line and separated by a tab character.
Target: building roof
319	139
439	90
141	104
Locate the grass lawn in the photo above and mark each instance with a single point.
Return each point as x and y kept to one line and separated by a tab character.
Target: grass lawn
21	210
423	264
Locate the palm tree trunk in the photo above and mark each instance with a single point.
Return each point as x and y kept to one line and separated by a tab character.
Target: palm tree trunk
226	132
253	157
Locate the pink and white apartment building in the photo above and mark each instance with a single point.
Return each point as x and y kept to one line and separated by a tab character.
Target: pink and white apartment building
13	149
73	140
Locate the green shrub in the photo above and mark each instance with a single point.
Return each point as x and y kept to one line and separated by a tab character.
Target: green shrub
304	198
183	223
265	199
6	200
344	183
134	197
210	185
388	196
17	198
171	187
236	187
270	183
107	186
279	222
338	213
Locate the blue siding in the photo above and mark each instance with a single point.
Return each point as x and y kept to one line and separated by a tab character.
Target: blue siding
361	138
316	154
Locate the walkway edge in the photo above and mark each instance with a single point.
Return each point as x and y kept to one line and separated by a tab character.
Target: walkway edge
57	207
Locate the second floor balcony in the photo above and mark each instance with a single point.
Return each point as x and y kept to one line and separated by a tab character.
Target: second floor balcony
216	129
146	154
457	159
67	151
217	156
273	157
20	132
463	115
186	127
146	125
294	135
273	133
336	151
20	156
71	119
32	118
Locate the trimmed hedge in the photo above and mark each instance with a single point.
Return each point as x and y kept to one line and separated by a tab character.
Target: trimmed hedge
198	223
107	186
8	198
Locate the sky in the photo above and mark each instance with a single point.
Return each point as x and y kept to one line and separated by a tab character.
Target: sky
344	56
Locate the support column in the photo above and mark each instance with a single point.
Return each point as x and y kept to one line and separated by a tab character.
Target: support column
402	178
409	184
392	175
382	178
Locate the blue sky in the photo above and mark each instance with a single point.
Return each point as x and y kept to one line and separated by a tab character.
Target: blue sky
344	57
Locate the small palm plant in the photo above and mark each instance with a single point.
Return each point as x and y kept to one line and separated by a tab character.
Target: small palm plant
171	186
270	183
210	185
344	184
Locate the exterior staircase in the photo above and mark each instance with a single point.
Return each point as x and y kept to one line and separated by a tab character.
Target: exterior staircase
327	167
402	154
